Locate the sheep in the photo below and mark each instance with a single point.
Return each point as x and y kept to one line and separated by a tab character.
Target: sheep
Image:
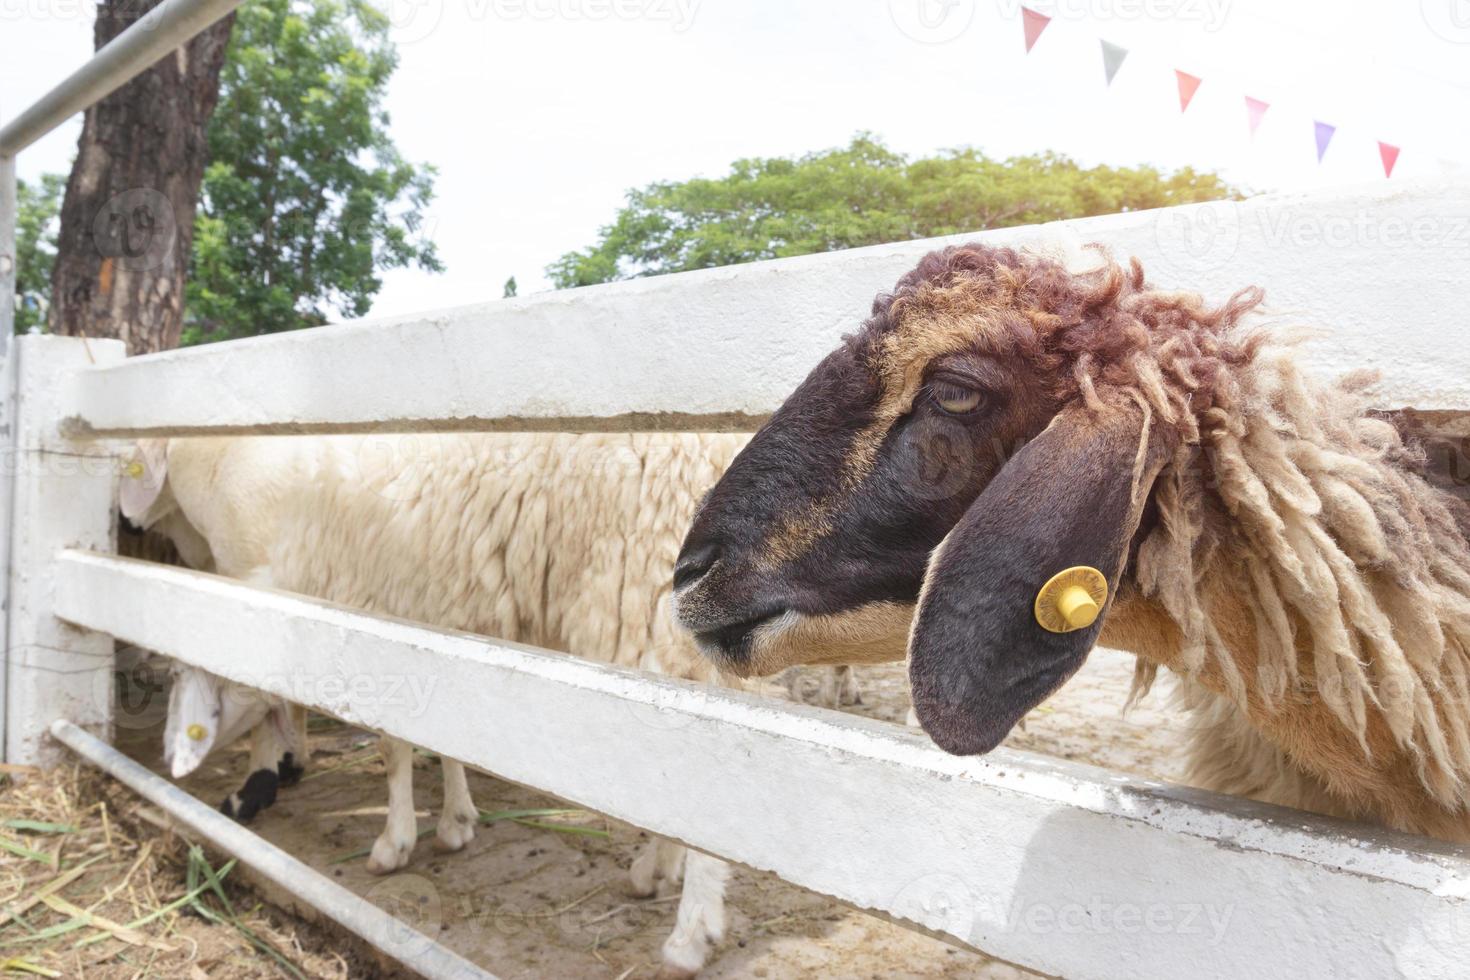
1260	534
217	500
562	541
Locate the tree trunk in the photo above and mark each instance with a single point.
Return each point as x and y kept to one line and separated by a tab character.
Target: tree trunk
127	221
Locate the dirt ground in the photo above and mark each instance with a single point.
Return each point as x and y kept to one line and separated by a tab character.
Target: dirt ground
525	901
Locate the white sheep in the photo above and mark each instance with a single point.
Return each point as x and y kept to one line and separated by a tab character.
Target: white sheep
561	541
218	501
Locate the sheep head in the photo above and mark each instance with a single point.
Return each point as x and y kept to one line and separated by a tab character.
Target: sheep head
998	419
205	712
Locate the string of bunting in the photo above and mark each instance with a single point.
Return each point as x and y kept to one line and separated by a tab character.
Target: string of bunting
1033	23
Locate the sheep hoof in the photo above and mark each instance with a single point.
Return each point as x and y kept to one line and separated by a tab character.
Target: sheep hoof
290	772
388	857
683	956
642	876
453	835
258	793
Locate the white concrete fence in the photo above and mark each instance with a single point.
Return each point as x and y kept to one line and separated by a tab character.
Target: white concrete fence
1058	867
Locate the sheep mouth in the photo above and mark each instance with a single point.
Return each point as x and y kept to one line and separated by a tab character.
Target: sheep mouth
730	644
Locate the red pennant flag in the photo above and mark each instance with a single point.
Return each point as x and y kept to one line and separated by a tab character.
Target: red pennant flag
1034	24
1390	155
1188	85
1255	111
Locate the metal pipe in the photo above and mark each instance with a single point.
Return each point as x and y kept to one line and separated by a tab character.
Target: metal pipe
161	30
9	259
392	936
9	252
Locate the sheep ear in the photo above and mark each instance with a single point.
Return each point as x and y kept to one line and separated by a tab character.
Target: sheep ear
978	657
143	475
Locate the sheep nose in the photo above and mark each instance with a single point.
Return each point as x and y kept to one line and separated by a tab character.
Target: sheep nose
694	564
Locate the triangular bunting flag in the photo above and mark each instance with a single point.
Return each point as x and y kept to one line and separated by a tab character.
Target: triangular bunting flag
1255	110
1188	85
1034	24
1390	155
1324	136
1113	56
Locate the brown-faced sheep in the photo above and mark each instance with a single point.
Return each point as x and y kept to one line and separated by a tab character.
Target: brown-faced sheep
1000	419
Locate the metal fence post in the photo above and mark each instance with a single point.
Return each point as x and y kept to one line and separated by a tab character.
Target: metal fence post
8	258
63	495
8	273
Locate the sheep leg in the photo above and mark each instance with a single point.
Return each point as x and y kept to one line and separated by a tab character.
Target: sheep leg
701	918
458	818
661	860
394	846
260	786
839	687
293	761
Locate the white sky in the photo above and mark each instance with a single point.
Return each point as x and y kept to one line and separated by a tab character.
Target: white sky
541	113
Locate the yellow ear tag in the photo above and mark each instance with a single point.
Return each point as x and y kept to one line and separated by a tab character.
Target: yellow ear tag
1071	599
196	732
135	470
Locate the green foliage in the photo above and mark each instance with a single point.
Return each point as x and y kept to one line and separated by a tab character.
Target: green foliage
510	288
35	246
306	199
862	194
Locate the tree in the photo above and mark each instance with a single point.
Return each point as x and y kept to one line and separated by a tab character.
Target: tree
35	247
861	194
510	288
306	198
128	216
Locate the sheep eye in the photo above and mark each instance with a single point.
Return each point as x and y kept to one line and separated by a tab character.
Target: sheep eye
955	399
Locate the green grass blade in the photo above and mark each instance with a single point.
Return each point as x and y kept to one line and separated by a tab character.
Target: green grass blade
39	826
